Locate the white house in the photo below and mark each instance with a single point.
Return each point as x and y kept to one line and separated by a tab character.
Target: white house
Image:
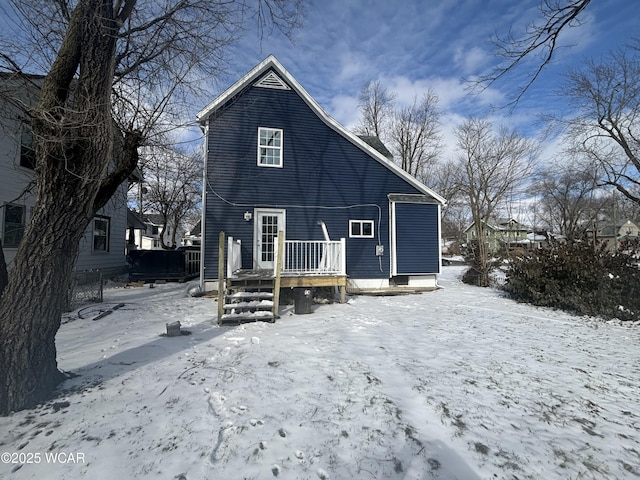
150	237
103	244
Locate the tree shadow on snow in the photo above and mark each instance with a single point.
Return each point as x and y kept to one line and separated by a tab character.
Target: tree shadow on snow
133	358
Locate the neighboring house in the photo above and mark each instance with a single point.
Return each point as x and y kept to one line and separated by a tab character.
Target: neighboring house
103	245
616	236
149	237
537	240
503	233
193	237
276	161
135	229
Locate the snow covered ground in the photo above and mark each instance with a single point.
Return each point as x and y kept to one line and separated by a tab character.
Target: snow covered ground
460	383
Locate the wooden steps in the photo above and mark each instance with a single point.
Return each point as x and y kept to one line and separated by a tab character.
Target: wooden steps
249	295
249	298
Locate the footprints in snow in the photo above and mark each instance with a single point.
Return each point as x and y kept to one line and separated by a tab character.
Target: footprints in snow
233	425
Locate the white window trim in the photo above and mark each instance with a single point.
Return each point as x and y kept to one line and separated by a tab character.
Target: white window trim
361	223
280	148
108	234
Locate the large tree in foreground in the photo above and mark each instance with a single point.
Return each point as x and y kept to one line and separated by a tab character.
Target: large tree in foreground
491	165
105	60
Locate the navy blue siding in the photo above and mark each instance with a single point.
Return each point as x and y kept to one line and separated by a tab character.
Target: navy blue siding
321	169
416	234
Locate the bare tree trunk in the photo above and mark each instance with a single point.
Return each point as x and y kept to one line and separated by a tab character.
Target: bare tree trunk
69	169
4	276
27	340
481	262
490	165
160	47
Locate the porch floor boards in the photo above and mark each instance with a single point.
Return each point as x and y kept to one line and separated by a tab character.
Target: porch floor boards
296	280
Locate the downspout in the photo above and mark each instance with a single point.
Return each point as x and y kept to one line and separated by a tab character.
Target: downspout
205	130
324	231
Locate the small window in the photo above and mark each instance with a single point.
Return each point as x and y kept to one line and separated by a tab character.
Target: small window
13	225
269	147
361	228
27	153
101	234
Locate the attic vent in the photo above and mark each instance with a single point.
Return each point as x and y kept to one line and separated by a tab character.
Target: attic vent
271	80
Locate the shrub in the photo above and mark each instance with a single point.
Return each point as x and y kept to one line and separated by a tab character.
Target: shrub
480	271
579	278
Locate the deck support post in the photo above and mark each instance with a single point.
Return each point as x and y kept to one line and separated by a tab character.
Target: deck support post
277	268
221	277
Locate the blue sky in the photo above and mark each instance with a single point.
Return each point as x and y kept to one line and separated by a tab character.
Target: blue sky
412	45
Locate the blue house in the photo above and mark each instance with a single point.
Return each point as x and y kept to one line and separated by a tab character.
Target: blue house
278	165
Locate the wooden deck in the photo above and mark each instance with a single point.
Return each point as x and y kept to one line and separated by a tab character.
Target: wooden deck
339	281
309	264
293	281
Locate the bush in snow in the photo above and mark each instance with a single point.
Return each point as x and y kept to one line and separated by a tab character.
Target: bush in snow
480	271
579	277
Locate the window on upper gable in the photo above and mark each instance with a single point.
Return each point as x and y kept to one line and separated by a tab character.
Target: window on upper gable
361	228
269	147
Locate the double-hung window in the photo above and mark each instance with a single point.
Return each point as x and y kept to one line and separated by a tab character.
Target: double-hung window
27	153
269	147
361	228
101	234
14	223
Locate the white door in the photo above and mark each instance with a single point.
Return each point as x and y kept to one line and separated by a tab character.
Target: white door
267	225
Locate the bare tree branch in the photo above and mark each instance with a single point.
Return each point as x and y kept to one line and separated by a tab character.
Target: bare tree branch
490	165
605	125
539	40
415	133
376	107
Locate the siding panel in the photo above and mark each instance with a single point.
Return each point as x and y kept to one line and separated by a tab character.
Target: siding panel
324	177
417	238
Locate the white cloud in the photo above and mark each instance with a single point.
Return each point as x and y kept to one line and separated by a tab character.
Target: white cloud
345	110
352	66
470	60
452	92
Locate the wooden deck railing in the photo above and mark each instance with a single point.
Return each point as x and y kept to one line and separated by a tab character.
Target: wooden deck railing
314	257
234	256
301	257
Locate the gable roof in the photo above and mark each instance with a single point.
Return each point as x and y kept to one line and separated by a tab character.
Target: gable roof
610	230
154	219
133	220
271	65
503	225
